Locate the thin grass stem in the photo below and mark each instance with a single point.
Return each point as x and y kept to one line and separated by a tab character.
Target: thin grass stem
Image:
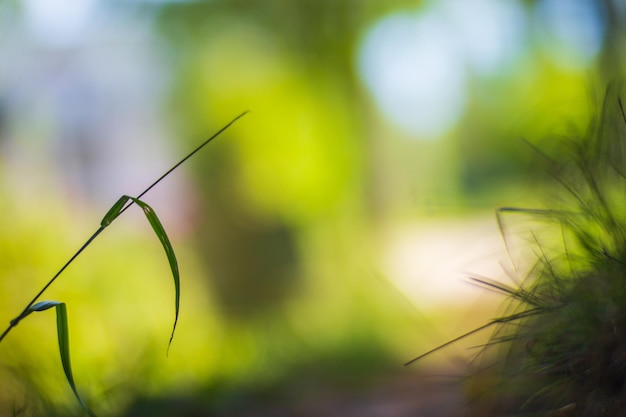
13	323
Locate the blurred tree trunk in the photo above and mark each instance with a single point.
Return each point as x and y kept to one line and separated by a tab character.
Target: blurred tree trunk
252	260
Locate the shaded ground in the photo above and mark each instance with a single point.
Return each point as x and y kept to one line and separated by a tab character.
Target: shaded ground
405	394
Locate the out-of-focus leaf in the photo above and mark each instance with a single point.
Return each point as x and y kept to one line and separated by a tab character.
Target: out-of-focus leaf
114	211
64	343
169	251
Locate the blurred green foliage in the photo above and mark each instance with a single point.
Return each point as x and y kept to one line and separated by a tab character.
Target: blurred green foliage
291	213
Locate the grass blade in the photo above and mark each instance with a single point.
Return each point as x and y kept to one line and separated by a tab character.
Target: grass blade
192	153
64	343
169	251
121	205
64	349
114	211
43	305
500	320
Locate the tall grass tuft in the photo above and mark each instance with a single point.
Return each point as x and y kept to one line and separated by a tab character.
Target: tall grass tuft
560	347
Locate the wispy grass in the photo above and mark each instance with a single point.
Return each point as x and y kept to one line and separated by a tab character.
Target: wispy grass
563	336
119	207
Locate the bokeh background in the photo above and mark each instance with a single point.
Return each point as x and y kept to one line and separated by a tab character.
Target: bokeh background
324	239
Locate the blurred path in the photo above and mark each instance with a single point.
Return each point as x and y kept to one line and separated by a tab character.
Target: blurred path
405	394
431	261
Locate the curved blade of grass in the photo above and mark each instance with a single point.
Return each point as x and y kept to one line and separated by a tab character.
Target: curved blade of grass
40	306
114	211
169	251
64	343
500	320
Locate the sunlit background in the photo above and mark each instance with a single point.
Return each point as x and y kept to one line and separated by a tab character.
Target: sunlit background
324	239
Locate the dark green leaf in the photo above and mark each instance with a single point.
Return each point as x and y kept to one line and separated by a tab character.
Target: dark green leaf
64	343
114	211
64	349
169	251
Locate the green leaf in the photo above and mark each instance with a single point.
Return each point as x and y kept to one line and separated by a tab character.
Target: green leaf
43	305
64	343
169	251
40	306
114	211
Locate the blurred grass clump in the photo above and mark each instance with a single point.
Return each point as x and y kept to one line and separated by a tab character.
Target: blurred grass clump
562	339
